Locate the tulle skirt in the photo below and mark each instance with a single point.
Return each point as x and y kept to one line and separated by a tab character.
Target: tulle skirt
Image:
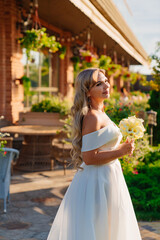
96	206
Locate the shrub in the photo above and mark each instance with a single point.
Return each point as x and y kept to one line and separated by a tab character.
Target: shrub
154	102
142	149
145	192
117	109
54	104
117	112
152	156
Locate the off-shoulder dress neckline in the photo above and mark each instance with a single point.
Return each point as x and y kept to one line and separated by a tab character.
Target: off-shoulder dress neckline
109	125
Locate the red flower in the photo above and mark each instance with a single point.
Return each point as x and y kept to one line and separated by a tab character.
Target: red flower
135	171
5	153
88	58
120	109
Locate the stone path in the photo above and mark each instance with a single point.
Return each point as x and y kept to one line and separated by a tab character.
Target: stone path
35	198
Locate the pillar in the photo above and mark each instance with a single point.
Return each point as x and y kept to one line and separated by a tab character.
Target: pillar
11	96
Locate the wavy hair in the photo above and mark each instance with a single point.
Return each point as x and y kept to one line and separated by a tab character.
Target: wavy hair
84	81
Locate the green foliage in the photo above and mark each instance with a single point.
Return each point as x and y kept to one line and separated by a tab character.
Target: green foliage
104	61
2	135
67	127
155	83
137	101
116	111
152	156
62	51
154	103
37	40
54	104
145	192
2	144
87	59
156	68
26	85
142	149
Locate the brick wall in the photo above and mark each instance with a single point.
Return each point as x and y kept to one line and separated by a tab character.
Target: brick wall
11	68
2	61
10	60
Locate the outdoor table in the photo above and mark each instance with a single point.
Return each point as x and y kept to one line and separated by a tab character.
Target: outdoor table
35	154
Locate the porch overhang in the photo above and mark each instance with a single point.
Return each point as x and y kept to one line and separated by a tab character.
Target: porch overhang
106	16
108	26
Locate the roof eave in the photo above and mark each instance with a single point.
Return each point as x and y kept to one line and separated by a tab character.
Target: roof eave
98	19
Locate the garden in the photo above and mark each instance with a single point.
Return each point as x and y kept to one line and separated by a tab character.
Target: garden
142	169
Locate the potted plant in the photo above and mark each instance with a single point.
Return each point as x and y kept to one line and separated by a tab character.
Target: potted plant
106	63
47	112
38	40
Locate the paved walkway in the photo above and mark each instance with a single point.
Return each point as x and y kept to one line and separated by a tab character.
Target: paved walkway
35	198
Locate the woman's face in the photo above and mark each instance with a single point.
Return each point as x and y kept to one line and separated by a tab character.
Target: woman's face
101	87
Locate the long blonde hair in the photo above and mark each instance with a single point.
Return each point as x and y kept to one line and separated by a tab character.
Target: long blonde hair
84	81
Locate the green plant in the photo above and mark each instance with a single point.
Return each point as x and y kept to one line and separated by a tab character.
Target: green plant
116	111
88	59
152	156
142	149
3	142
53	104
38	40
156	69
26	85
145	192
154	103
62	51
111	68
67	127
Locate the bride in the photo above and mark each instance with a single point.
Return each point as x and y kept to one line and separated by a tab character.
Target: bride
97	204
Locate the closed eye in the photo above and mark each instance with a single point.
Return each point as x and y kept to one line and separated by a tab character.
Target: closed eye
99	83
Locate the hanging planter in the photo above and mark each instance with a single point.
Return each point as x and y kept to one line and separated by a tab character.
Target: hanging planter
85	53
88	59
38	40
111	68
62	52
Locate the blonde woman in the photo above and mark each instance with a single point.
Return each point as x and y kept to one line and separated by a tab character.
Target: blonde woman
97	204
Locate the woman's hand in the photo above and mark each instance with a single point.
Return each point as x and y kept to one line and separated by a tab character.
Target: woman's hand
127	147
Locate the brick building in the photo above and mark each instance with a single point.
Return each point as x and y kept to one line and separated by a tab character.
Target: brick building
68	20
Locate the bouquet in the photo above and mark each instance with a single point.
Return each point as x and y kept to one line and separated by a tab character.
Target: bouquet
132	127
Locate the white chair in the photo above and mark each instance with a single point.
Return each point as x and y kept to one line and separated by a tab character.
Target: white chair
6	157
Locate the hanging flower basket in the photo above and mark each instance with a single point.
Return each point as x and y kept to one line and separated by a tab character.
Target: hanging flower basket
88	59
38	40
85	53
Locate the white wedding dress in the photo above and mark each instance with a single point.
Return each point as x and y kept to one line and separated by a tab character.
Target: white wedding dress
97	204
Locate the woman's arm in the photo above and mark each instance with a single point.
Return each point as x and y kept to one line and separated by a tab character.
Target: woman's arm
96	157
91	123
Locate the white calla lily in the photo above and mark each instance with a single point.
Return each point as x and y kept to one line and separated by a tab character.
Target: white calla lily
132	127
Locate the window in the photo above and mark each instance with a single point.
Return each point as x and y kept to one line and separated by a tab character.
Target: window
43	72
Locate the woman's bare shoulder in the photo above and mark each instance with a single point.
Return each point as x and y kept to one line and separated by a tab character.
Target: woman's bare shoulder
91	123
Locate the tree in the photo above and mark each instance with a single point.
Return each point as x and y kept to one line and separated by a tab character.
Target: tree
156	69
